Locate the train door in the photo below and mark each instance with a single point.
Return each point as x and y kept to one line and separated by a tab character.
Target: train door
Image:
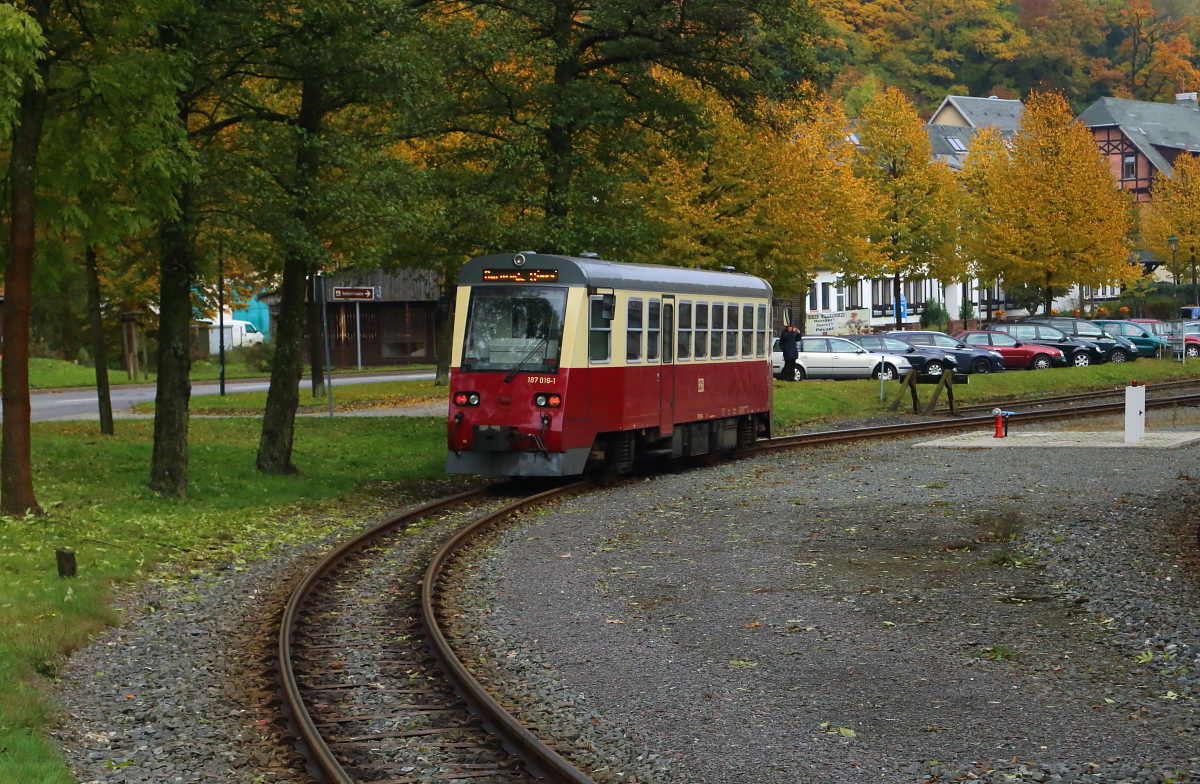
666	416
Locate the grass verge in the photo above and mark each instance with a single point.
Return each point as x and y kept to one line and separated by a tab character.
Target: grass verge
94	490
345	398
817	401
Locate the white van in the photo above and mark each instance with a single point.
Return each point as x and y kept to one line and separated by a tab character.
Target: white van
237	334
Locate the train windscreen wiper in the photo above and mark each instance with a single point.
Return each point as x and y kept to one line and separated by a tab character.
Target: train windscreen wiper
510	375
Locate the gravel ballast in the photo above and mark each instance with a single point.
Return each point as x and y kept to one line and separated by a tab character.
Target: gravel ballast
845	614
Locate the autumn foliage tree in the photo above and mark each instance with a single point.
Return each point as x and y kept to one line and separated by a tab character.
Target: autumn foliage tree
1174	211
915	234
775	199
1056	216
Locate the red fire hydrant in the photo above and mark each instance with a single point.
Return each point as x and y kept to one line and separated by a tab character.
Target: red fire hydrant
1001	423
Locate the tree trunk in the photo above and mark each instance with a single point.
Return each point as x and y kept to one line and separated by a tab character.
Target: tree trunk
16	474
316	347
169	463
803	320
1049	294
279	416
896	301
103	399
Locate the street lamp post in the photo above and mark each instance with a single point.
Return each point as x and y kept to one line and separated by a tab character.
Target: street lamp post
1173	243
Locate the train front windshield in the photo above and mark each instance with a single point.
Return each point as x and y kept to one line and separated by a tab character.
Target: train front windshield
514	328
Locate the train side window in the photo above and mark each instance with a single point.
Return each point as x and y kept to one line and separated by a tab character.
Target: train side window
731	330
599	330
685	330
633	331
668	325
701	330
760	340
747	330
652	331
718	330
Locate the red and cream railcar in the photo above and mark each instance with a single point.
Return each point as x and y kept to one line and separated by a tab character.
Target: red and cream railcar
563	363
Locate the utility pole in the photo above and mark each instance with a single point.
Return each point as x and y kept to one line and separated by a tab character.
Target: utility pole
325	334
221	312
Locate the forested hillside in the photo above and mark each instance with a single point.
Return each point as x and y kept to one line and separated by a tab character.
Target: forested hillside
1083	48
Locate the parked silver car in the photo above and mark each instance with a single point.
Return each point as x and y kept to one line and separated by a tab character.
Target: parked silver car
834	357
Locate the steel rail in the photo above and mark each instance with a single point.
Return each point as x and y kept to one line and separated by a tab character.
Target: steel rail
321	762
540	760
964	423
1070	398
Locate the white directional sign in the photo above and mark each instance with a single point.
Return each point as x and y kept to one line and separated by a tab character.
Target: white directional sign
358	293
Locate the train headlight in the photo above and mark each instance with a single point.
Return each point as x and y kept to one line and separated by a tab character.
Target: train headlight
547	400
466	398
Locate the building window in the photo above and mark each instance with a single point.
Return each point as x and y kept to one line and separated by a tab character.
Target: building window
956	144
633	331
826	296
652	332
718	330
685	330
1129	168
854	295
600	330
701	330
813	292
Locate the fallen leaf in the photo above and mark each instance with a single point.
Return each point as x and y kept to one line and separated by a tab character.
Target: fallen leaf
751	625
888	623
613	620
846	732
564	555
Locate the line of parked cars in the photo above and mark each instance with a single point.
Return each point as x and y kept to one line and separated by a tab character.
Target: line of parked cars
1035	343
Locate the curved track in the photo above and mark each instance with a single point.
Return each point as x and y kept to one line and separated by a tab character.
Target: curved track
538	759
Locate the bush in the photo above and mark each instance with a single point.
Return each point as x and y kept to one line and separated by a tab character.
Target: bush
934	315
256	357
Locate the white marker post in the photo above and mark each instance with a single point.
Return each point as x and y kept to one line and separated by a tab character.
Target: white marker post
1135	413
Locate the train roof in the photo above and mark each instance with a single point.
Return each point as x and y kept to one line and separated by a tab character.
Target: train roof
573	270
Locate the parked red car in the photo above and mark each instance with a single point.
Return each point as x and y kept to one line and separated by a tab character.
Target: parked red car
1016	354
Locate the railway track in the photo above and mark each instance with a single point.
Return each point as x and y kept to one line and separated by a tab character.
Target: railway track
380	697
1164	386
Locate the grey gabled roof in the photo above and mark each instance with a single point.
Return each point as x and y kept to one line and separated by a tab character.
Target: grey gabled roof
1148	124
1004	113
942	140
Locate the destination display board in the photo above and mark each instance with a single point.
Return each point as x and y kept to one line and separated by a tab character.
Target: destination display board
520	276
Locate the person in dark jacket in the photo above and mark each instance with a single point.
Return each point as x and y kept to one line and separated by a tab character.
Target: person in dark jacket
789	341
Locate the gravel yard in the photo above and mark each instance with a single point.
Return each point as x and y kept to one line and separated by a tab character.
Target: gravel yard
847	614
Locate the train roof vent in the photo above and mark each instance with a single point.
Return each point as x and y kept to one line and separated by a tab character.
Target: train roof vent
727	268
589	255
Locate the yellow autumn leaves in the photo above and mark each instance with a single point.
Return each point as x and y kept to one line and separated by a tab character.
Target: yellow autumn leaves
800	193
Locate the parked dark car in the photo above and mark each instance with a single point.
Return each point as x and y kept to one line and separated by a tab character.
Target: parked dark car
1148	343
970	359
924	359
1017	354
1113	348
1078	352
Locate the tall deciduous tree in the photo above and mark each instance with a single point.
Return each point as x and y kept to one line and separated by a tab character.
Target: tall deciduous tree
1057	216
1175	211
563	88
917	196
775	199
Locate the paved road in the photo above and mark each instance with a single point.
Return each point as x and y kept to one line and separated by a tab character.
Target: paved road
81	404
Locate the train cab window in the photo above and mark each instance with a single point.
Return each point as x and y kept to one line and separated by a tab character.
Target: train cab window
599	329
685	330
652	331
747	330
701	344
514	328
718	330
731	330
760	340
633	331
